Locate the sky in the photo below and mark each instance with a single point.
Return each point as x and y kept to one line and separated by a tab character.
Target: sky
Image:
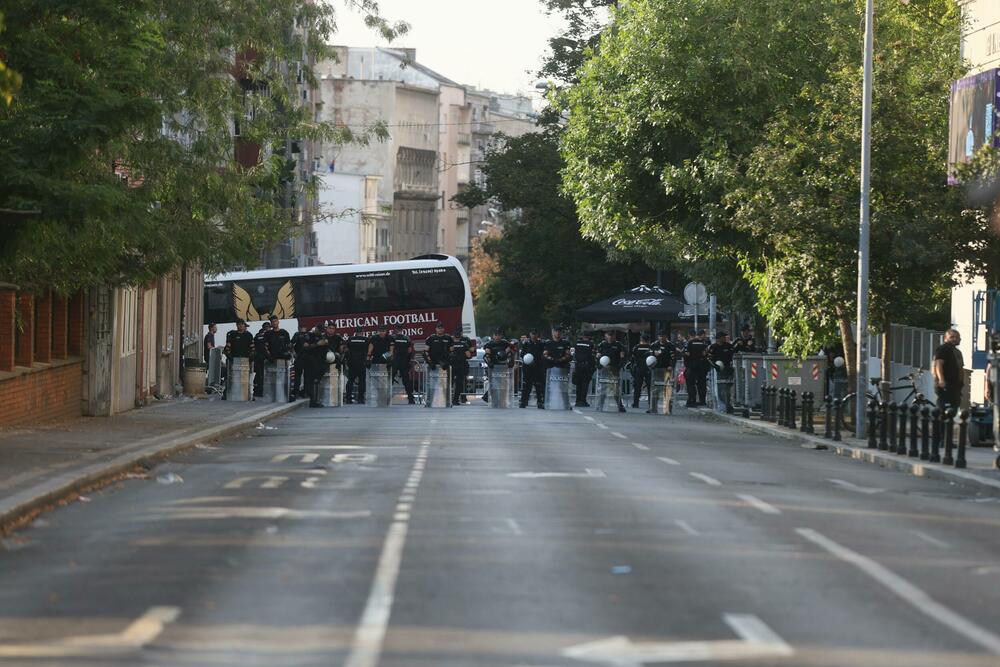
493	44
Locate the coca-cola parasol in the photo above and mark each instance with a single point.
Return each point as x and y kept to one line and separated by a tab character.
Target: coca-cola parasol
640	304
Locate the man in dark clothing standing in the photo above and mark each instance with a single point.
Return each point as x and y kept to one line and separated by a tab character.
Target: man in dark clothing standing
533	374
402	355
357	358
277	341
298	342
615	352
583	355
948	371
696	369
239	345
641	374
314	351
461	352
498	350
260	357
380	348
438	352
209	342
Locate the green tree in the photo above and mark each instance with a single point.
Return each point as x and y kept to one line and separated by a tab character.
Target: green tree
122	134
10	80
544	269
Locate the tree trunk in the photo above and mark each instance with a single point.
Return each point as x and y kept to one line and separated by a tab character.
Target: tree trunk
886	354
850	348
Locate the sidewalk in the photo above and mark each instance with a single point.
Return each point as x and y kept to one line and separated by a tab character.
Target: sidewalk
39	466
980	475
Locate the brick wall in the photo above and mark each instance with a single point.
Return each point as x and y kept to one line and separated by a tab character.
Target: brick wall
25	353
48	395
8	300
43	327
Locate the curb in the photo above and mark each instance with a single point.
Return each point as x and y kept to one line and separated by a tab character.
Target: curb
48	492
916	468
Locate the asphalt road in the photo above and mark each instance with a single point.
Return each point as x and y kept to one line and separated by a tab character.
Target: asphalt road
412	537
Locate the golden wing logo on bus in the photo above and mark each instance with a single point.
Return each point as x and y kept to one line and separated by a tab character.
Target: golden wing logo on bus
284	307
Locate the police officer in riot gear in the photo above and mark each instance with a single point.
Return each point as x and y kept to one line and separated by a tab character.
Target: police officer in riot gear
380	348
498	350
357	358
276	341
438	352
584	354
615	352
533	374
720	353
641	375
239	345
663	350
299	339
461	352
402	355
696	366
260	358
314	361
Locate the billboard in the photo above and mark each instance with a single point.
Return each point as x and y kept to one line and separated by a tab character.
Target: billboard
973	118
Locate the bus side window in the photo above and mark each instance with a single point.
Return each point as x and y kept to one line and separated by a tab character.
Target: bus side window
443	289
219	304
376	294
322	296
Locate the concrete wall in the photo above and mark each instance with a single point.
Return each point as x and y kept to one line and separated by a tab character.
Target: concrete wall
338	234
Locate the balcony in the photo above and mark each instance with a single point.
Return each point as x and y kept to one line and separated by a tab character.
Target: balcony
483	128
464	139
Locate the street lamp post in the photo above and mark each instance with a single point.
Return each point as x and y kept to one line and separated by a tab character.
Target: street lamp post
865	228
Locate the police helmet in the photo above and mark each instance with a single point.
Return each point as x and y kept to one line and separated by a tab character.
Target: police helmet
439	325
266	326
644	337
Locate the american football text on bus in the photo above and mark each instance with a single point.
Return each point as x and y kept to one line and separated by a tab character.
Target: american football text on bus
385	320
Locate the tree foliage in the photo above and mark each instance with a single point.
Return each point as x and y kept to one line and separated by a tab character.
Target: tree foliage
10	80
541	269
723	136
122	135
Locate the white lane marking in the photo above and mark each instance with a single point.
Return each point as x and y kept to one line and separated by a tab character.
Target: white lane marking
711	481
214	513
669	461
406	498
303	458
639	445
618	435
756	641
515	527
426	442
577	411
854	487
269	482
604	426
932	540
366	646
403	507
140	632
588	418
590	472
910	593
686	527
766	508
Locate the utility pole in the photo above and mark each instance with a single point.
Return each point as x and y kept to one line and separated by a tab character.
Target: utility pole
865	229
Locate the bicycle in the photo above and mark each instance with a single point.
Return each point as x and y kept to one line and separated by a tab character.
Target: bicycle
912	382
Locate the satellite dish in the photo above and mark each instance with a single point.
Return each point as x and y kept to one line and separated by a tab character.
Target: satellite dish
695	293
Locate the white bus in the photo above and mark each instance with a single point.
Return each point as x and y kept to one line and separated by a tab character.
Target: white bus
408	297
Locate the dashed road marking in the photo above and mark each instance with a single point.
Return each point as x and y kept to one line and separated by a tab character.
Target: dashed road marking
618	435
303	458
515	527
604	426
686	527
588	418
639	445
917	598
711	481
754	501
669	461
931	540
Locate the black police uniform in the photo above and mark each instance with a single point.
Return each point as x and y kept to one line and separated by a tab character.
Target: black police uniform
279	346
299	365
583	354
259	359
696	371
640	371
722	352
357	356
745	345
402	354
664	353
438	352
380	345
238	346
314	364
615	352
497	352
533	375
461	350
208	344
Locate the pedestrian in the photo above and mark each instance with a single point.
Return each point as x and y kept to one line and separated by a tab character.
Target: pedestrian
665	353
533	370
276	341
260	358
721	353
696	367
402	357
584	352
615	352
438	352
745	343
498	351
641	375
461	352
209	343
299	365
239	345
949	371
558	353
357	367
314	363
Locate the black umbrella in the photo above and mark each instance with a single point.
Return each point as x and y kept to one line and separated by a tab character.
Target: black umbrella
640	304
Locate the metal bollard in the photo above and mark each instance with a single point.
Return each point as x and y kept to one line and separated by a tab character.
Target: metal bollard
792	400
936	434
963	437
808	406
828	417
925	433
781	407
765	395
914	430
901	436
949	436
892	412
872	423
883	430
838	414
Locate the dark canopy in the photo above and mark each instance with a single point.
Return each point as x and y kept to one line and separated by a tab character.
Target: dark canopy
640	304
